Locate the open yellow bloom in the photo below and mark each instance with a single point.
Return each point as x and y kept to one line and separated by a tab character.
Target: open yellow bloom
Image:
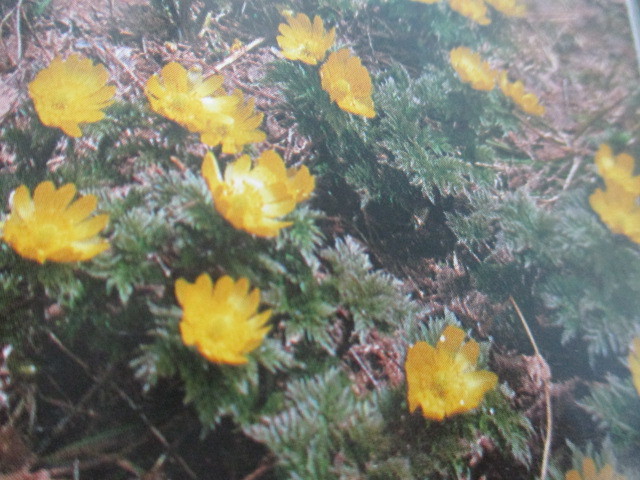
232	122
617	204
178	94
472	69
443	381
617	169
221	320
50	227
348	83
527	101
476	10
300	40
252	199
590	472
618	209
511	8
70	92
634	363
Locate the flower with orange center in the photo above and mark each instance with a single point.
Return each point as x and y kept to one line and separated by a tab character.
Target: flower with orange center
476	10
252	199
590	472
221	320
177	94
301	40
527	101
511	8
443	381
70	92
634	362
51	227
232	122
348	83
472	69
617	169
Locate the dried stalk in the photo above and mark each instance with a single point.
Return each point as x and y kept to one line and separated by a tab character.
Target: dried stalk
546	452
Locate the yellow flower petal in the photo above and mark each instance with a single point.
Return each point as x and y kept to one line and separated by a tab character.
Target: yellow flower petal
590	472
617	169
251	199
472	69
527	101
234	125
475	10
634	363
180	95
617	205
50	227
300	40
22	203
82	208
573	475
70	92
511	8
442	381
221	319
348	83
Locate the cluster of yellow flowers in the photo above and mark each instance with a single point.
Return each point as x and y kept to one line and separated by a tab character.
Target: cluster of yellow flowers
477	10
443	381
202	106
617	205
590	472
70	92
342	76
220	320
473	70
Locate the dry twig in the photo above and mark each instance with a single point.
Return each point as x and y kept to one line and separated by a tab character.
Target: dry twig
123	395
544	467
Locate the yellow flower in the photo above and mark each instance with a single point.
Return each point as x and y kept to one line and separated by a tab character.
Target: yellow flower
232	122
471	69
618	169
476	10
348	83
178	95
527	101
300	40
221	320
589	472
443	381
253	199
618	209
50	227
617	204
510	8
70	92
634	363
